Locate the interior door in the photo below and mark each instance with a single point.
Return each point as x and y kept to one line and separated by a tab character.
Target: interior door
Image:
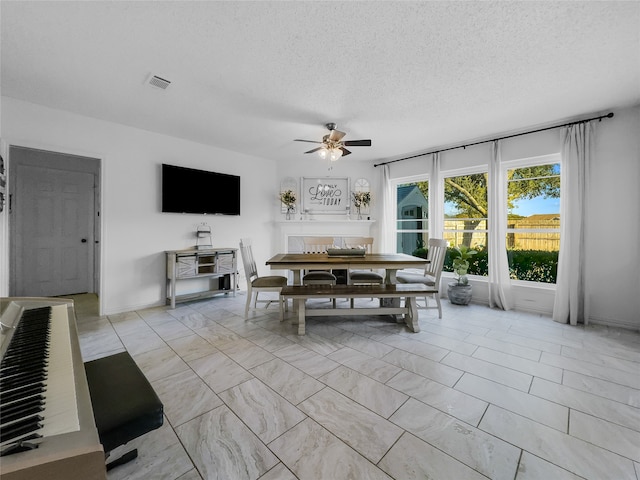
52	215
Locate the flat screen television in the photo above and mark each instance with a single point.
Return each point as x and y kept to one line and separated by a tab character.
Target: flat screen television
188	190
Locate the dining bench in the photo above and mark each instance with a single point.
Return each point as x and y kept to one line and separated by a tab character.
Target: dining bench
407	291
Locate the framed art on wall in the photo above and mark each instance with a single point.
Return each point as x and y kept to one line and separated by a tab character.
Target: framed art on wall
325	195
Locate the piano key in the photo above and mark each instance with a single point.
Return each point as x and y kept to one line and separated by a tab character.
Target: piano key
60	413
18	406
7	383
20	428
22	413
22	392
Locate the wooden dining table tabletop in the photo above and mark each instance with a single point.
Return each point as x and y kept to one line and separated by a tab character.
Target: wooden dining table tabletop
390	262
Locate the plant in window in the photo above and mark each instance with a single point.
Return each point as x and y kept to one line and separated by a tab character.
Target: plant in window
460	292
461	256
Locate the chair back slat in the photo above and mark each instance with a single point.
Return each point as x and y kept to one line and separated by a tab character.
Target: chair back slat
317	244
436	254
250	269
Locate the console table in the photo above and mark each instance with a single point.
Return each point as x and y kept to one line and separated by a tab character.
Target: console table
218	265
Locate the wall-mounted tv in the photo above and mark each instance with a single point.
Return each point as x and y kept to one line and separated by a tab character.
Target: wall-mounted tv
187	190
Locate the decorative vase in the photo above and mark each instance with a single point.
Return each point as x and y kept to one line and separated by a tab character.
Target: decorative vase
359	215
289	212
459	294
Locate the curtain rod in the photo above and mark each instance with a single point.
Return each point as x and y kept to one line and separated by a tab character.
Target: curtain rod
608	115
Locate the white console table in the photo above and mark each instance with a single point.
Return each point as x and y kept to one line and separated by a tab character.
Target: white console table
218	265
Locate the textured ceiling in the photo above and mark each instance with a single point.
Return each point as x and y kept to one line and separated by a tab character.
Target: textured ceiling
252	76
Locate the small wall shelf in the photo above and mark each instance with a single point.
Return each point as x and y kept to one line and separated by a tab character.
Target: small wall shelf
219	265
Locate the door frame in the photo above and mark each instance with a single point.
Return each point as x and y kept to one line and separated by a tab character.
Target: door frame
98	226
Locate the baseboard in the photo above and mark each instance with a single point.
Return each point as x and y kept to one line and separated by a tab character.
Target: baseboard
615	323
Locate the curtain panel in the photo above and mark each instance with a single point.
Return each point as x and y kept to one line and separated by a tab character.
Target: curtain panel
571	304
499	280
436	198
387	227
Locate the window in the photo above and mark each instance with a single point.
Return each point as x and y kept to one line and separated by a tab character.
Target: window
465	217
412	216
533	218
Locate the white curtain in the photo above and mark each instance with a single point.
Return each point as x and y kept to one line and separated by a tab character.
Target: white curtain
570	305
436	220
499	281
387	228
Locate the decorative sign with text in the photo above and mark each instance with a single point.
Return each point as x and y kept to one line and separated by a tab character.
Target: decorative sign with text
325	195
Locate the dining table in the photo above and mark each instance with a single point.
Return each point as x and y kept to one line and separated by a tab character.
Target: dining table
389	262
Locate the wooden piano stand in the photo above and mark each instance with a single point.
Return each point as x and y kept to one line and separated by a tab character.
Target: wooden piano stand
125	406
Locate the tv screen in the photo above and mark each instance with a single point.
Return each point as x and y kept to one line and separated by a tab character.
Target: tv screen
187	190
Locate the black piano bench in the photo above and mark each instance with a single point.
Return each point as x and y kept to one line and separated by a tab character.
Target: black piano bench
125	406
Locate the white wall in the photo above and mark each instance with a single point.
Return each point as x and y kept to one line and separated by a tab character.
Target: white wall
135	233
613	224
613	217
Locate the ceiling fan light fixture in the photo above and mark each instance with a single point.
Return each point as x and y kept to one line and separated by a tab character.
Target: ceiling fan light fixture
335	154
332	147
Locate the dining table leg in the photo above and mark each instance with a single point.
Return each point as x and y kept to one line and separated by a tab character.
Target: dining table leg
301	316
390	279
297	280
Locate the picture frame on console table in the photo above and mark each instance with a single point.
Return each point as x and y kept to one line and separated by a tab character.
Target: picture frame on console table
326	195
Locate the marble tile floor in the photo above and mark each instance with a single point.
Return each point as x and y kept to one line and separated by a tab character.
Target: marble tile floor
480	394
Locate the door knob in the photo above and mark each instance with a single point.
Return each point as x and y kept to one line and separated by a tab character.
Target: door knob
84	240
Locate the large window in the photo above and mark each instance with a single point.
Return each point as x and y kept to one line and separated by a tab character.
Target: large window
532	197
533	218
412	217
465	217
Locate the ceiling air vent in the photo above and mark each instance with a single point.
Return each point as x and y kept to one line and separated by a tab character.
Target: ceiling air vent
158	82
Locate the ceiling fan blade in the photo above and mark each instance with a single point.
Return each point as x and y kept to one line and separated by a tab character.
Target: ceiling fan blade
310	141
314	150
345	151
336	135
357	143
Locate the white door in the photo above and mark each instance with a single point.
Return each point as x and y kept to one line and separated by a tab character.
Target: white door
53	235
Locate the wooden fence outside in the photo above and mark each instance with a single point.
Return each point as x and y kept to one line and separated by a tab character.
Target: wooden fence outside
524	240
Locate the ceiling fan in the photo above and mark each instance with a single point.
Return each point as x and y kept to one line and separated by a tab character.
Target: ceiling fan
333	145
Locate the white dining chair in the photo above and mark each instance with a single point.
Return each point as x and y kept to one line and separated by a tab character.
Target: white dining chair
257	284
318	277
436	253
361	277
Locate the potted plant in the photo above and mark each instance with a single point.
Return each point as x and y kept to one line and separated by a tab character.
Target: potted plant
361	199
288	198
459	292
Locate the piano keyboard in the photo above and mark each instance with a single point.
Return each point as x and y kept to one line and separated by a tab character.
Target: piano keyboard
37	387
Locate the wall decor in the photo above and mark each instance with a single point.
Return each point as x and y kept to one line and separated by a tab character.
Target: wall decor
288	184
329	195
361	185
361	197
